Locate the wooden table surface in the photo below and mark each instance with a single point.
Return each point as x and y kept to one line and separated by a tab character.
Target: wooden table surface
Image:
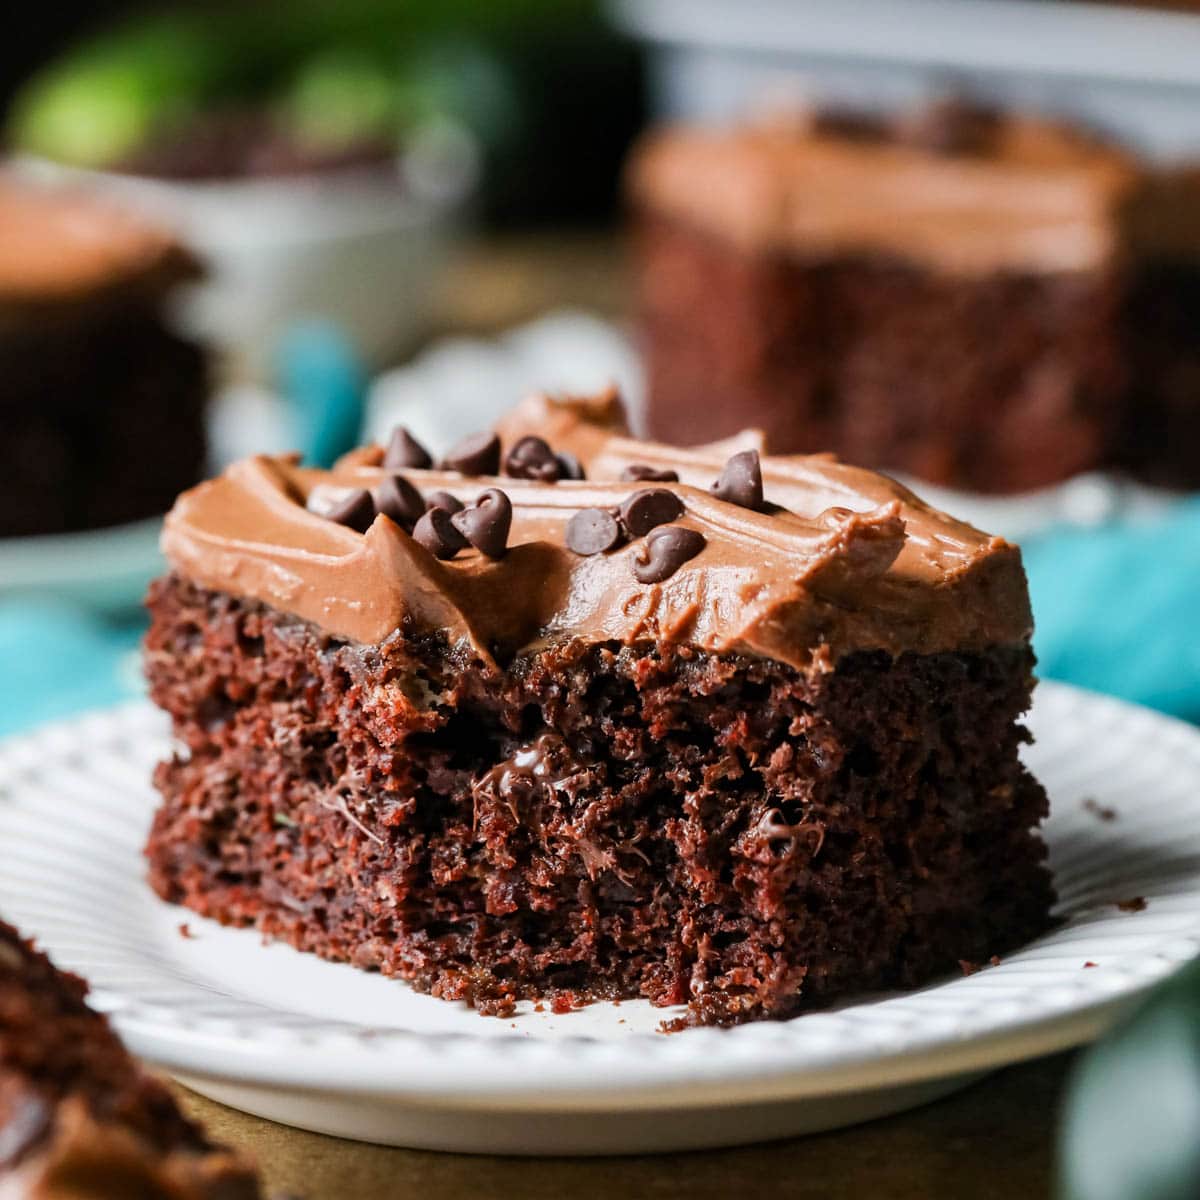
992	1141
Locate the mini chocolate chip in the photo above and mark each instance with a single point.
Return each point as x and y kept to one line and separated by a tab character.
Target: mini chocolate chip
403	450
532	458
435	531
665	551
396	497
478	454
642	511
357	510
741	481
569	466
639	472
592	531
486	523
451	504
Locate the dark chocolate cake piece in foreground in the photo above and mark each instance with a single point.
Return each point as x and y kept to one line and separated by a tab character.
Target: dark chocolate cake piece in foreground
79	1119
539	736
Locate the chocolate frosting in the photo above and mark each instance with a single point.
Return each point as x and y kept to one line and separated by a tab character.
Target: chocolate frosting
842	560
58	245
1037	198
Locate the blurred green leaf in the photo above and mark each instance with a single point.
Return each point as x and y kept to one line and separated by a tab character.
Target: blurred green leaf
466	81
93	107
341	97
551	93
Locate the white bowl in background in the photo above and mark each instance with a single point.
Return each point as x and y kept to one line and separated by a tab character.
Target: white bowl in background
359	247
1120	67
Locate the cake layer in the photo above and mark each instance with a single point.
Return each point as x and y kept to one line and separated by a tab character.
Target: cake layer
101	399
594	819
103	412
78	1118
997	383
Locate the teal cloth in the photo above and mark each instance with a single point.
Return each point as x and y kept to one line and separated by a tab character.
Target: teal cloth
325	383
1117	610
57	659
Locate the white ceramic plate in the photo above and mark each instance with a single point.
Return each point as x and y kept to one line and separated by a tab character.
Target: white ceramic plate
329	1048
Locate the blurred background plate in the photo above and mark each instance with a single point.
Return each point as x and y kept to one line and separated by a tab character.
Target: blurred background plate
104	569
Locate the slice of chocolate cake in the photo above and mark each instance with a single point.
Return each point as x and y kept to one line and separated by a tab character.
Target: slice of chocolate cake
984	301
715	730
101	400
79	1119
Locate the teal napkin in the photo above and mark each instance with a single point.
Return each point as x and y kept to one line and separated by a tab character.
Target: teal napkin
324	382
57	659
1117	608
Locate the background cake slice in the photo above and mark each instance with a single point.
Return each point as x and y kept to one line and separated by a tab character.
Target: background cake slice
78	1117
743	749
982	300
102	399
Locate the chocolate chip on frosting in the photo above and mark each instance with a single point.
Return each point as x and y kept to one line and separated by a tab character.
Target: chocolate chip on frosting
592	531
486	523
666	549
639	472
452	504
532	458
645	510
403	450
741	481
398	499
356	510
435	531
478	454
569	466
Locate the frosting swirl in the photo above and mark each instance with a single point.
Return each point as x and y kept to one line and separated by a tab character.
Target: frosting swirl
841	560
